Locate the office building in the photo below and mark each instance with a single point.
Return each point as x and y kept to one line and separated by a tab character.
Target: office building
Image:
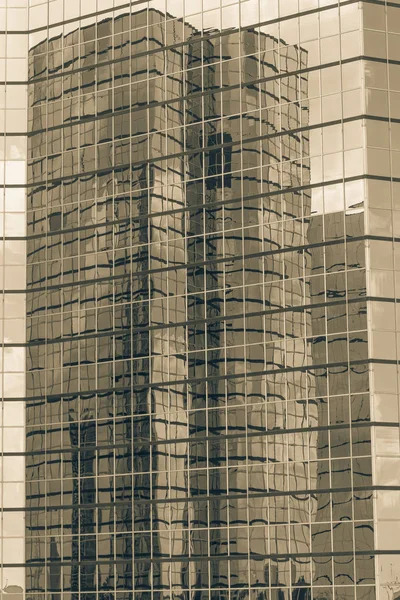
200	372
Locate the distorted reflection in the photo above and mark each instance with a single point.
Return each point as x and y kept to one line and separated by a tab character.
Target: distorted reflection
198	417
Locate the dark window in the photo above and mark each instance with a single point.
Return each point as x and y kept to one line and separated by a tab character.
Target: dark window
219	161
55	221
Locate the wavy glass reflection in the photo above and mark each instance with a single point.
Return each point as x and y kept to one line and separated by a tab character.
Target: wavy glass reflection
206	351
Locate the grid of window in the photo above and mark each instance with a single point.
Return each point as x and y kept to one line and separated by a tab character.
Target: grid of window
13	152
207	270
189	410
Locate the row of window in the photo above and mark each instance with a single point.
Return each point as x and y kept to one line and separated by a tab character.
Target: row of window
198	137
95	231
212	591
336	319
223	170
278	254
124	186
102	518
251	339
284	273
341	379
335	440
293	110
159	19
168	351
94	227
287	283
189	470
99	191
115	81
108	405
257	428
168	122
240	56
176	38
257	541
179	360
173	283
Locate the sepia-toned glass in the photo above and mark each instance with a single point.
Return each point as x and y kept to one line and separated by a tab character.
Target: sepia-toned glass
199	327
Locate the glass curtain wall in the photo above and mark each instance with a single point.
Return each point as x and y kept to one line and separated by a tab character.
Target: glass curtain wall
211	402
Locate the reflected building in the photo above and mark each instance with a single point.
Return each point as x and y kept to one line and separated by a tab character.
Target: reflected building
164	354
211	327
241	342
344	518
112	298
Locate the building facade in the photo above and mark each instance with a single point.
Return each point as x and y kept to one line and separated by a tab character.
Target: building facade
200	365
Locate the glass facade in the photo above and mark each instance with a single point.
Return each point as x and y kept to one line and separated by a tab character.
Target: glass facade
199	277
13	157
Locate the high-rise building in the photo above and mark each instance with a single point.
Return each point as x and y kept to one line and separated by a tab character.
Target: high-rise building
200	386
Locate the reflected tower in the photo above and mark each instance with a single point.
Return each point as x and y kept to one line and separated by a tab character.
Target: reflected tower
106	327
249	353
212	327
339	343
165	353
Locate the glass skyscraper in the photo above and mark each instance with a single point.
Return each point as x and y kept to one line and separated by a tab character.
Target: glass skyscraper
200	264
